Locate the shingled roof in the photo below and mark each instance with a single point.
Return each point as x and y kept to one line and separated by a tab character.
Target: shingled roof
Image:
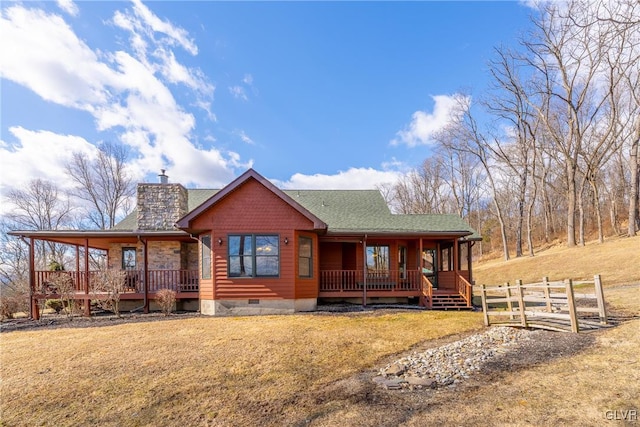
347	212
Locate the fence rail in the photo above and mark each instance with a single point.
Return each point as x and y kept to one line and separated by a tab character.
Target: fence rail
542	305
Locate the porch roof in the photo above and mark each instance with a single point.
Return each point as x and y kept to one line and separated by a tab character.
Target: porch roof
100	239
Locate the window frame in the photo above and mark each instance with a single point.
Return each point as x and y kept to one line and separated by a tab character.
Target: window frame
254	256
372	270
205	261
305	260
125	265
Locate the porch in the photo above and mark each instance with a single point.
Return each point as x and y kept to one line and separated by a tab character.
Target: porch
454	292
184	282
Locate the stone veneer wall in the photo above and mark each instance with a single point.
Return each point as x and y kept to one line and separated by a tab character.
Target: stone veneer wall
160	205
162	255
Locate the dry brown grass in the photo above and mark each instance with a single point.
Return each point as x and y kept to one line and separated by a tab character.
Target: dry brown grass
316	369
199	371
617	260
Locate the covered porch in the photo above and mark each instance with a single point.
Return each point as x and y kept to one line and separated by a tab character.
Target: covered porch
133	254
434	270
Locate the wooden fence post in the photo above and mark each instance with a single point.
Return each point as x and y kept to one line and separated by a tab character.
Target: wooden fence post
573	314
602	310
485	308
547	293
509	304
523	315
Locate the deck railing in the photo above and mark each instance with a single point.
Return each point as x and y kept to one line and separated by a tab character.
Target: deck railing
176	280
354	280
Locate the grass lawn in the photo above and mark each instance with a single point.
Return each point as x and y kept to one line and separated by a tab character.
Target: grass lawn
316	368
233	371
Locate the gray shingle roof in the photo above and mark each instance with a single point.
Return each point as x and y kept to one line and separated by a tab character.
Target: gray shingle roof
347	211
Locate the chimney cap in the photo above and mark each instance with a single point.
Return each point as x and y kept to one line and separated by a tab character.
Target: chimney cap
164	179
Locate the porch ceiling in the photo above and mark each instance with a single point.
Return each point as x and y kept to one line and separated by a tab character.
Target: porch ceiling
100	239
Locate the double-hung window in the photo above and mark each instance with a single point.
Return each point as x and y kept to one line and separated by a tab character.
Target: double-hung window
254	255
305	257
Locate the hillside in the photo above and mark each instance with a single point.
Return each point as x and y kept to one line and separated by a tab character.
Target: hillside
617	260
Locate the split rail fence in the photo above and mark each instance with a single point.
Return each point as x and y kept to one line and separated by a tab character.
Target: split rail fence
561	305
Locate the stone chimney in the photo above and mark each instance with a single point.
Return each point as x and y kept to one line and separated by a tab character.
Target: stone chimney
161	205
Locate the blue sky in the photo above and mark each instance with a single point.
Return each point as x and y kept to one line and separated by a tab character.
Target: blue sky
310	94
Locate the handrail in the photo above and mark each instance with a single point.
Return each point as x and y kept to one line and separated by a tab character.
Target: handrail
427	291
464	288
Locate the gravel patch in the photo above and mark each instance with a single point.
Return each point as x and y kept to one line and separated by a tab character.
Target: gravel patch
452	363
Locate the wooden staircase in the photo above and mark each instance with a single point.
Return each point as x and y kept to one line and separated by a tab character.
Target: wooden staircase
447	300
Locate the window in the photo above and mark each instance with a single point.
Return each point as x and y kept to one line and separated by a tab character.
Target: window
464	255
378	261
305	259
252	255
446	256
402	261
128	258
206	256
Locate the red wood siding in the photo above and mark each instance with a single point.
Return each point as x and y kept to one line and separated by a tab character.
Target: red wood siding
252	208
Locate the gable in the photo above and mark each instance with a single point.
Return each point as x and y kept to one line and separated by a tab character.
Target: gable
251	206
259	188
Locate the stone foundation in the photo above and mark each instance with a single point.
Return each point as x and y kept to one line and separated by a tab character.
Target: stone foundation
256	307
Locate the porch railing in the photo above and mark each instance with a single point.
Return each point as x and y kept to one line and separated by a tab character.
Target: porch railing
354	280
464	288
427	292
177	280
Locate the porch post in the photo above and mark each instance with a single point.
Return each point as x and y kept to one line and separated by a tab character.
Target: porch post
87	300
364	268
34	313
146	275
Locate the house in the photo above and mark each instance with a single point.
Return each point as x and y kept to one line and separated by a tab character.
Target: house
252	248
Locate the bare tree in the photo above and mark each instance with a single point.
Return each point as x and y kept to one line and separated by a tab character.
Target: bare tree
464	134
104	183
41	206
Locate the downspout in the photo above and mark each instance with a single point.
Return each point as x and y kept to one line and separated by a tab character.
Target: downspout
364	259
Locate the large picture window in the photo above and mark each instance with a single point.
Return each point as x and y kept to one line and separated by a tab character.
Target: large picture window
254	255
206	257
305	257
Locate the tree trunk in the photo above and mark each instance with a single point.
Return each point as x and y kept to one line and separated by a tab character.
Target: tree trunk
635	183
571	203
596	202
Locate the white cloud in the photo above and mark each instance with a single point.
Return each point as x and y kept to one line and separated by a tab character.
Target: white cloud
354	179
244	137
41	154
425	125
238	92
150	23
248	79
42	53
126	92
68	6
